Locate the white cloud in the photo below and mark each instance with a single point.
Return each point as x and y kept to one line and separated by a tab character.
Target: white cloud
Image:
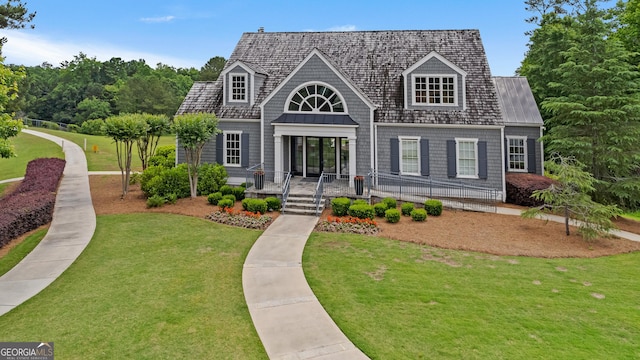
159	19
31	50
342	28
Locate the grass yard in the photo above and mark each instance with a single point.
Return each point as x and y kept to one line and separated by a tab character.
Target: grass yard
104	159
28	147
15	255
633	215
398	300
148	286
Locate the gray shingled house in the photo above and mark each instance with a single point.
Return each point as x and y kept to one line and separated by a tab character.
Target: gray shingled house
413	103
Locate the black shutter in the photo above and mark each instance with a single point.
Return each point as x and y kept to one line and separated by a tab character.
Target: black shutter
506	154
220	149
531	155
451	158
244	150
395	155
482	159
424	157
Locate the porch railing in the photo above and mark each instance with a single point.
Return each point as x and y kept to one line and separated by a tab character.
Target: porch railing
453	194
317	197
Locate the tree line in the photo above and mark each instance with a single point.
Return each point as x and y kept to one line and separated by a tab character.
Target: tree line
583	66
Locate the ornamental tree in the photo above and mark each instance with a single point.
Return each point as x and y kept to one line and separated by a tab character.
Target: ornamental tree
193	131
157	125
125	130
570	197
8	91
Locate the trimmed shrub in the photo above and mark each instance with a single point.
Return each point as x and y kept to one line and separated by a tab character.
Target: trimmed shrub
433	207
406	208
273	203
392	215
391	202
419	214
171	198
225	203
214	198
340	206
380	208
226	190
211	178
73	128
134	178
42	174
360	202
521	186
254	205
161	181
362	211
230	197
93	127
239	192
165	156
50	125
155	201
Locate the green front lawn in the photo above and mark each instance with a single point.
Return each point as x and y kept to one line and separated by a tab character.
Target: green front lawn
397	300
20	251
28	147
632	215
148	286
104	158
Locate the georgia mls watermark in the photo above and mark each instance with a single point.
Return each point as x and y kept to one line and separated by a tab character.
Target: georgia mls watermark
26	351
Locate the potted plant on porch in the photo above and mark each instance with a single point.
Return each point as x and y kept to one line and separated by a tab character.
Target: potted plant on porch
258	179
358	183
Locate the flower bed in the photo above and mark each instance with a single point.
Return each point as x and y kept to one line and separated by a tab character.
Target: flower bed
245	219
348	224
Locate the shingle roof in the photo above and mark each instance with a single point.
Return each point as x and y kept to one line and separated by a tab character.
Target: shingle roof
372	60
316	119
516	101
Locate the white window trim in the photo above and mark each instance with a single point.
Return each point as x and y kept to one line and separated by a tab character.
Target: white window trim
417	140
246	88
224	148
304	85
524	144
413	89
458	175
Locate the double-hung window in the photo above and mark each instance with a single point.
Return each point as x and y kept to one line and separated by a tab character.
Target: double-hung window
232	148
410	155
467	158
517	153
238	87
434	90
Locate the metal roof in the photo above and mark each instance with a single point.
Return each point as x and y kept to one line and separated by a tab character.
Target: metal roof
516	101
315	119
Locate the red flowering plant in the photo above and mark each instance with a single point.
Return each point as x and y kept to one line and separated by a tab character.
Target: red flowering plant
348	224
240	218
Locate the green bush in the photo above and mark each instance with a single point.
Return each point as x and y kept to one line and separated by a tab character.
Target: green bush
155	201
161	181
93	127
165	156
230	197
392	215
362	211
226	190
340	206
433	207
73	128
380	208
254	205
360	202
171	198
50	125
419	214
406	208
134	178
391	202
225	203
214	198
273	203
239	192
211	178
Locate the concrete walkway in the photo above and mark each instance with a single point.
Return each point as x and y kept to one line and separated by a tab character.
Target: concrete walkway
286	314
74	222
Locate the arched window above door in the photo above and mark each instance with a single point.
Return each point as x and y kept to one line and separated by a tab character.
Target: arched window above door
316	98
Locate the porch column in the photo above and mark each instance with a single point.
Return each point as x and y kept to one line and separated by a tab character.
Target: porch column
352	160
277	150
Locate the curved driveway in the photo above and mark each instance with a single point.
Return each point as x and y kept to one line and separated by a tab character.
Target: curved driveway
73	224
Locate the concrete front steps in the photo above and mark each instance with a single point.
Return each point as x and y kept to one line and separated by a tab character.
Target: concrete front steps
301	205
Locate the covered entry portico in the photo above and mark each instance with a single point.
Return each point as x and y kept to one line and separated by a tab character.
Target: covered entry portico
309	144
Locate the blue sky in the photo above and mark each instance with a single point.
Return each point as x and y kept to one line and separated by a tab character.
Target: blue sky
187	33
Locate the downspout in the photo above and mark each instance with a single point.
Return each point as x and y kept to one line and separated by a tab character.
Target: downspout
504	175
541	150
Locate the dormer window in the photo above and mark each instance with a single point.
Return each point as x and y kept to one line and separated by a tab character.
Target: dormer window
238	87
435	90
316	98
